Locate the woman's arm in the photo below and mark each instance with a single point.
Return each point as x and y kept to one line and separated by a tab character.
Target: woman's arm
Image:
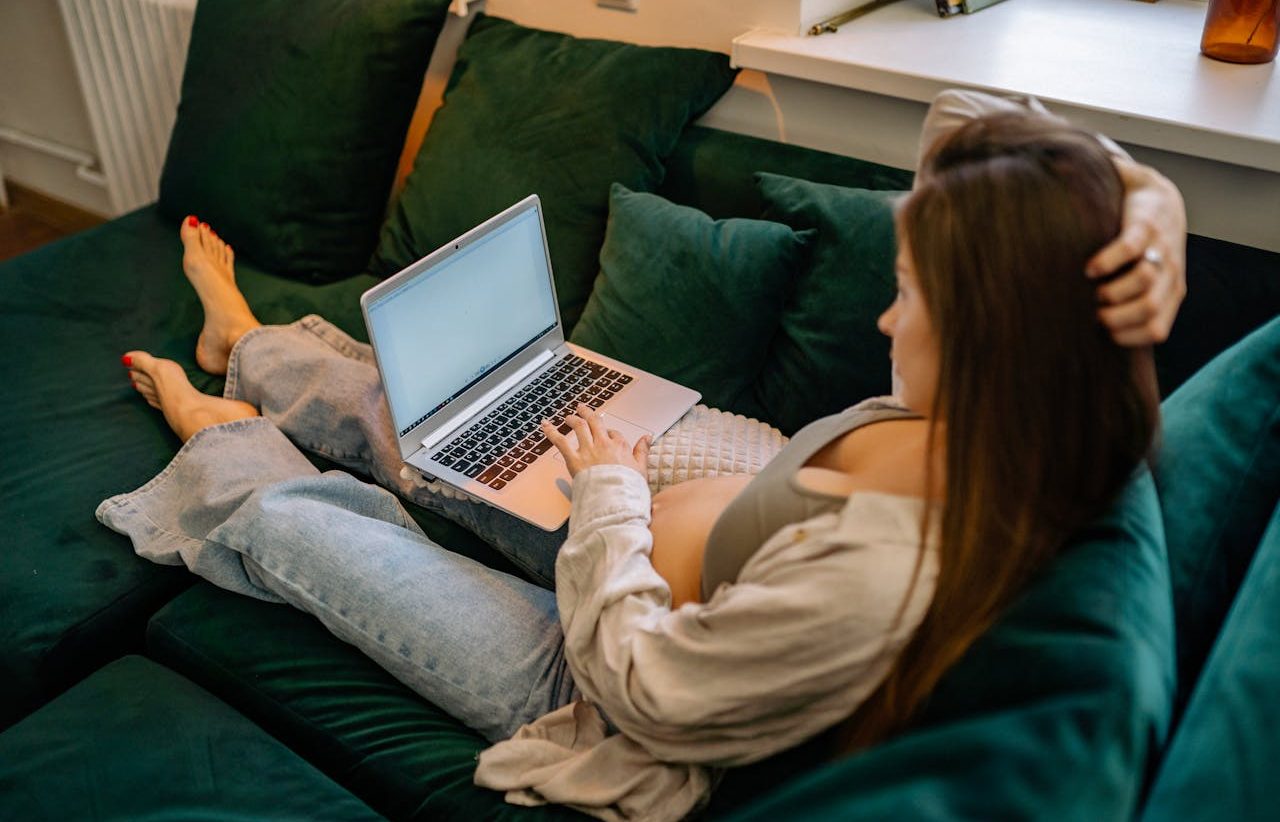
793	647
803	637
1140	306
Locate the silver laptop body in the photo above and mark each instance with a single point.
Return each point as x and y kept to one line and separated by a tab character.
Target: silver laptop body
469	344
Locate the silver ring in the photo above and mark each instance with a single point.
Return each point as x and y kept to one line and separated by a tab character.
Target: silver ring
1153	256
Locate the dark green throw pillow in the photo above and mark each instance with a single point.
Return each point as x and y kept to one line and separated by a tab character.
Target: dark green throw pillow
534	112
828	353
291	120
1218	473
1219	764
693	299
1055	713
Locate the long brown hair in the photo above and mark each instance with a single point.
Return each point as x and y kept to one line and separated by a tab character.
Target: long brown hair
1046	417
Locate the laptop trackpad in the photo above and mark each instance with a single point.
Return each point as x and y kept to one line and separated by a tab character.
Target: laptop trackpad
629	430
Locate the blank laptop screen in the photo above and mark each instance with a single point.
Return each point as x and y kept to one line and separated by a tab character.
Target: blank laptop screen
452	324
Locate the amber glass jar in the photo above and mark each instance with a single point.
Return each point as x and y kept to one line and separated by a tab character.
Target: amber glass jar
1241	31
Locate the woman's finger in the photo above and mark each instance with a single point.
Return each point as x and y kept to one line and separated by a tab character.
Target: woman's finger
1134	284
580	427
1133	239
561	444
641	450
1118	318
594	422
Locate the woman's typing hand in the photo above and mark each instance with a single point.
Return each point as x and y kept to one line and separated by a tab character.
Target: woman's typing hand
1139	306
596	445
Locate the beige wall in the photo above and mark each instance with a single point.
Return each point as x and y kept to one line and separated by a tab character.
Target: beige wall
40	95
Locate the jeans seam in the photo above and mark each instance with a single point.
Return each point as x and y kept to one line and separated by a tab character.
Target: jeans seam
330	335
231	388
178	459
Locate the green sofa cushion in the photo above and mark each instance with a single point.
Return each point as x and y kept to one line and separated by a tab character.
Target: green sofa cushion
137	741
689	298
1219	478
828	353
1056	712
595	112
1221	763
714	171
72	593
290	124
325	699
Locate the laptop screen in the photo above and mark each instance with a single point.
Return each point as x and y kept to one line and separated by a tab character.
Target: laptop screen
453	323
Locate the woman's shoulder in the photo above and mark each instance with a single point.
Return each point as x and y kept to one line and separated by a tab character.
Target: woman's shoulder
887	456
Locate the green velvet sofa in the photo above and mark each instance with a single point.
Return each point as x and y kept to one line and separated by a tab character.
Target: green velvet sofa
1131	680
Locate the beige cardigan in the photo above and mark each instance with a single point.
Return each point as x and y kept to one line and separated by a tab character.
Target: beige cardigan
793	647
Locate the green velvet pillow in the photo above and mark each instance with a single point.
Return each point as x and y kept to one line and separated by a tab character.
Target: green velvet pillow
1219	478
828	353
291	120
1222	761
533	112
1057	712
689	298
136	741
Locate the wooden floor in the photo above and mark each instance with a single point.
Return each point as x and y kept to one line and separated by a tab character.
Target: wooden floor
33	219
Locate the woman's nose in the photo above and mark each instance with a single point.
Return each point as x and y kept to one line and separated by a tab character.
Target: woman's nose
885	323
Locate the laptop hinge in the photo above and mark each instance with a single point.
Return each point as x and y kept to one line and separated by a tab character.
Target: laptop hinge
465	415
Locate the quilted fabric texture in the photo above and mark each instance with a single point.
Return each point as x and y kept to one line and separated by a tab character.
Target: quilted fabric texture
592	118
290	123
692	299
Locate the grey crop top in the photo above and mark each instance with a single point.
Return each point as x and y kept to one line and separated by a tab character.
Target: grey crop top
773	500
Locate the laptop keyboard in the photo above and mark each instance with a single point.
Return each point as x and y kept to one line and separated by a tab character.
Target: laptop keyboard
495	449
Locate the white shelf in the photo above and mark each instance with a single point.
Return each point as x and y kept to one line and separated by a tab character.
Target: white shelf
1131	69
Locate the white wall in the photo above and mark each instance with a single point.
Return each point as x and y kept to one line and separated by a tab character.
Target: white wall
40	95
706	24
1226	201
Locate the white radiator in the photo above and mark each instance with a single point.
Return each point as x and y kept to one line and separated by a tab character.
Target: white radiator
129	55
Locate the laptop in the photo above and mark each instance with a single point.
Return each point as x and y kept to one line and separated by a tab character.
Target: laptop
473	357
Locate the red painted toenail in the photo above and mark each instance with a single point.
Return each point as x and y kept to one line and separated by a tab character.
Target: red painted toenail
192	221
127	361
204	225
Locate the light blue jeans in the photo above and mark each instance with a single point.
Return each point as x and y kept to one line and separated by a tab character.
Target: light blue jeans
241	506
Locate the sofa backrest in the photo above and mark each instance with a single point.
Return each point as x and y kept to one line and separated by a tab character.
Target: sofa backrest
1057	712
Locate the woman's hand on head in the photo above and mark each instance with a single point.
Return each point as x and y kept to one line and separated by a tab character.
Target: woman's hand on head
596	445
1139	306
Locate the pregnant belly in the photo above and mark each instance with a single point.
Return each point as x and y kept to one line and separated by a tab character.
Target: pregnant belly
682	518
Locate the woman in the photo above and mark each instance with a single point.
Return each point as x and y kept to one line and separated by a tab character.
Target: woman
839	584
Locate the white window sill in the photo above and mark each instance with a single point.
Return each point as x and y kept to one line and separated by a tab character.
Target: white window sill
1127	68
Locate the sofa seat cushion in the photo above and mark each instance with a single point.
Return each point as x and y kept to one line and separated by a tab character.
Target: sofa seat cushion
1219	478
72	593
326	700
1222	759
290	124
536	112
137	741
1057	711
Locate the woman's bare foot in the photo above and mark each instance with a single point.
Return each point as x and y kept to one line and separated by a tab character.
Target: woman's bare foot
165	386
209	263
